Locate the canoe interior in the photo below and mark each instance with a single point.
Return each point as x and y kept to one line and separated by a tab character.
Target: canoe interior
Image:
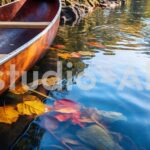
32	11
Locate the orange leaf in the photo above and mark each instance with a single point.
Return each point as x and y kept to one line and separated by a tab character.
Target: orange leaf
8	114
64	55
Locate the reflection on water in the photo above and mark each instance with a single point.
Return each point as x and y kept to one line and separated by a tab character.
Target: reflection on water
120	69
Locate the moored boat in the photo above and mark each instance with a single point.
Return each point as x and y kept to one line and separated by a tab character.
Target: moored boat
21	47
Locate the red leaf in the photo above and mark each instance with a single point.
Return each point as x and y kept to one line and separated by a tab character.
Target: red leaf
74	117
66	106
59	46
95	44
63	117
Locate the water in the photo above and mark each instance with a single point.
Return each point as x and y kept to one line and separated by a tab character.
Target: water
115	79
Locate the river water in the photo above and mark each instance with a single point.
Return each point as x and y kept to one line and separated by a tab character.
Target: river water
113	78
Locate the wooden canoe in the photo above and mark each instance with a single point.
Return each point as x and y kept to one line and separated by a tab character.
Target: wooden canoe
23	47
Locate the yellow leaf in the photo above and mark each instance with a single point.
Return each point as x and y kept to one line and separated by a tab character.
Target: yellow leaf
32	108
8	114
64	55
20	89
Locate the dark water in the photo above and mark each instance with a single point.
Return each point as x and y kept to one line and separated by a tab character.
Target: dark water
115	79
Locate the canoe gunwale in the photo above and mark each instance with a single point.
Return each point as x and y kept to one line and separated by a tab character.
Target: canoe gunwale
9	3
30	42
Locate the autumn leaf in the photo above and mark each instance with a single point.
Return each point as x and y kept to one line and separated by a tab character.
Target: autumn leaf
74	117
64	55
62	117
66	106
8	114
95	44
20	89
75	55
86	53
32	107
59	46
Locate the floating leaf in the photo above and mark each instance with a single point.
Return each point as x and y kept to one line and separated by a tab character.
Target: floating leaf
66	106
64	55
8	115
75	55
59	46
32	107
98	138
95	44
86	53
20	89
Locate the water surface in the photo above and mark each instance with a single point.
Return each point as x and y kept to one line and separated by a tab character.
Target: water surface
116	78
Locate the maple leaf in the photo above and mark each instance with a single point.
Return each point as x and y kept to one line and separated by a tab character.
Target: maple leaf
66	106
74	117
8	114
32	108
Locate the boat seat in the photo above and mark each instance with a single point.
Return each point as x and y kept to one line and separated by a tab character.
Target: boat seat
28	25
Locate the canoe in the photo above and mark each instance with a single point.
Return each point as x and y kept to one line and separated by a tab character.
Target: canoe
21	47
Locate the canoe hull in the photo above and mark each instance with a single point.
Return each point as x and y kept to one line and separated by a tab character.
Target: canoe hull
26	59
15	64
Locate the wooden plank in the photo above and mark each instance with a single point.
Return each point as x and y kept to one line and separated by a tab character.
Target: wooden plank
29	25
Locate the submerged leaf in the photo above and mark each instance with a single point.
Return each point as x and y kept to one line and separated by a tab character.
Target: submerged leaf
32	107
47	122
111	116
66	106
8	115
62	117
98	138
74	117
